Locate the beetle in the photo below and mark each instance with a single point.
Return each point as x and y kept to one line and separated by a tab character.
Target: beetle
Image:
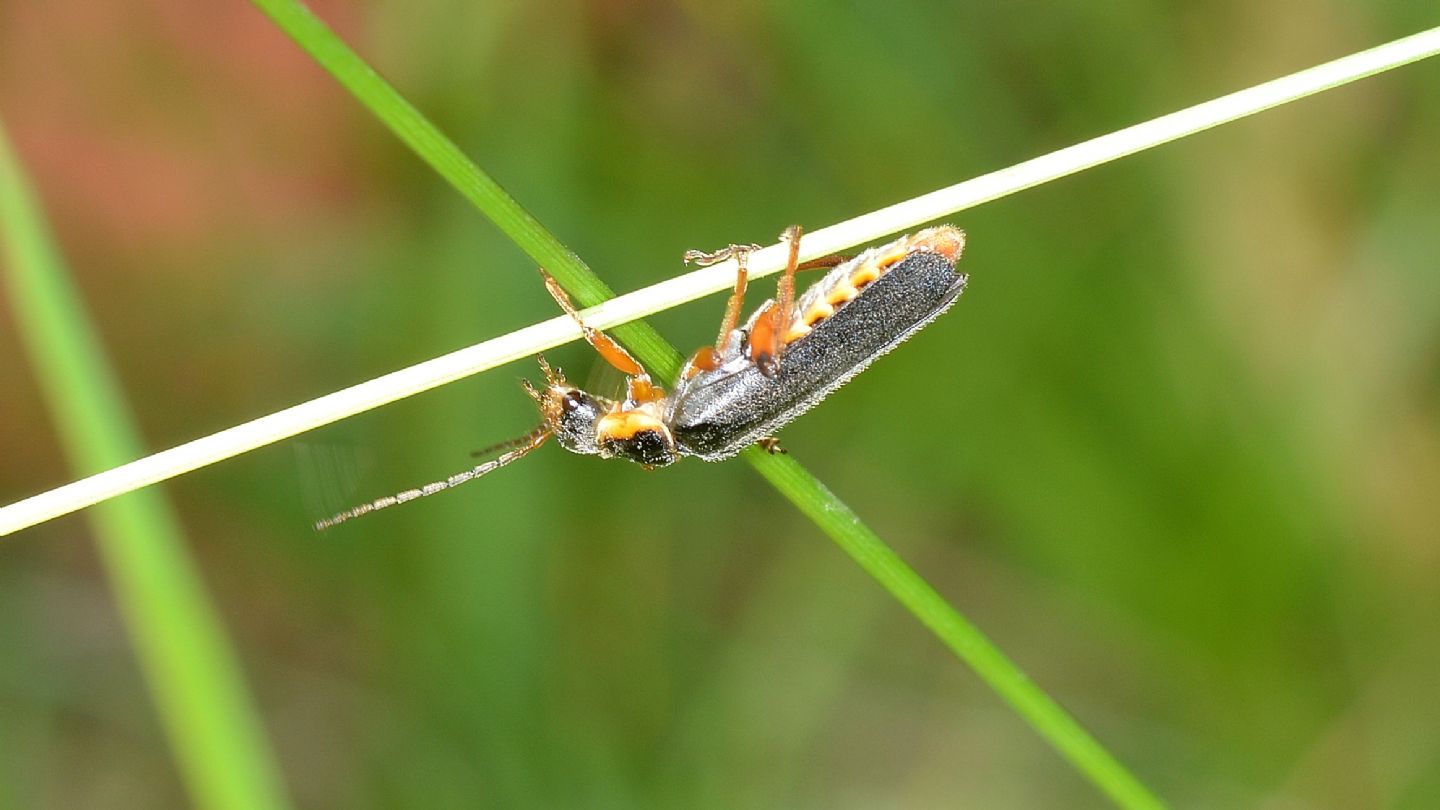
756	378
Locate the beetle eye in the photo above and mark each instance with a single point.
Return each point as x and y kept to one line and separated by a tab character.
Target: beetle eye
573	401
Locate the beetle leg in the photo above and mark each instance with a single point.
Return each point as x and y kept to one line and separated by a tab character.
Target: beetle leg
771	445
639	387
737	298
823	263
785	292
612	352
707	358
706	258
767	339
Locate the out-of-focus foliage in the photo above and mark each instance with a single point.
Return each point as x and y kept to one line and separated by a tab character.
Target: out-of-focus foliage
1175	450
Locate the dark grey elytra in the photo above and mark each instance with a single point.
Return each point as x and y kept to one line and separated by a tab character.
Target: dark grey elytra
716	414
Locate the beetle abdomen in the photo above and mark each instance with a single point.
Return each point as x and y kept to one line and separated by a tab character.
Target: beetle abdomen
718	413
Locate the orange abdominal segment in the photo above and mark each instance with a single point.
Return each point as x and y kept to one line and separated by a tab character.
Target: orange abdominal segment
842	293
944	240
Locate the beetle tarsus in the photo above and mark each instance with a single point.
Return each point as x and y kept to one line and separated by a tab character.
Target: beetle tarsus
771	445
705	258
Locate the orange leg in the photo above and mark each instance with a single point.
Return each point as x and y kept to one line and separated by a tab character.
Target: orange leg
823	263
640	387
707	358
768	327
766	341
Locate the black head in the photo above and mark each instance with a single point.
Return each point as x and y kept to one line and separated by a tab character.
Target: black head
591	425
579	413
571	415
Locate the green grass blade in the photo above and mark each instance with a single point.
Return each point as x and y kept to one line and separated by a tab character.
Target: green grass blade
957	633
316	38
214	729
786	474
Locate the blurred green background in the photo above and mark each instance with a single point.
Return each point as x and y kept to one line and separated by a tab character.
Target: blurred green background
1177	450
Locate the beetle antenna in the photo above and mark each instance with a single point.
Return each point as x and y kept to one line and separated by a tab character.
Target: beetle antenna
525	443
500	447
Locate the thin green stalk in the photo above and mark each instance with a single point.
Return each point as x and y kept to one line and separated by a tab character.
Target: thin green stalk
814	500
963	638
416	131
195	681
